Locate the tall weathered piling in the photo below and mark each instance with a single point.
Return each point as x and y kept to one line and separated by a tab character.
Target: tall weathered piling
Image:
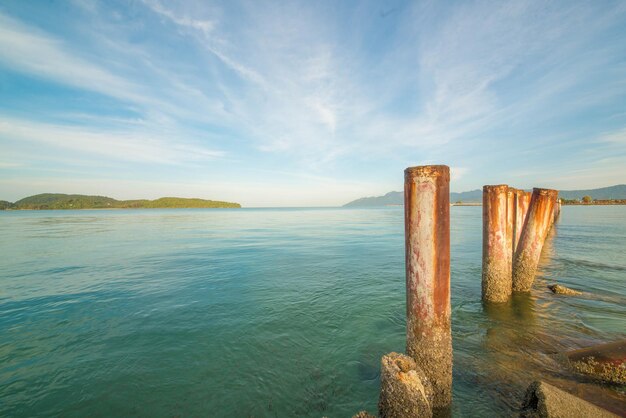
427	246
527	198
536	226
522	201
557	209
510	220
496	277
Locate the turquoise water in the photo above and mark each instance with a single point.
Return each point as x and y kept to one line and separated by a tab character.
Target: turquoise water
276	312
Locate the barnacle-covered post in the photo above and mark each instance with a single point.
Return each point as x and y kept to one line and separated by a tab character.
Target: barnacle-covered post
427	246
496	275
527	197
521	207
539	219
557	209
510	221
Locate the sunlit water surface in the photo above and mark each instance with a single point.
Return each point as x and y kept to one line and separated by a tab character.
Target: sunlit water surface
277	312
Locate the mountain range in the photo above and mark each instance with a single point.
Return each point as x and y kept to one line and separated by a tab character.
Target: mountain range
476	196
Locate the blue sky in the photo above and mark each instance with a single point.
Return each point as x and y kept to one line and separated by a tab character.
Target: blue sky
308	103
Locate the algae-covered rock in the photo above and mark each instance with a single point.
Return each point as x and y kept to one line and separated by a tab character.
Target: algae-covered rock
543	400
562	290
607	372
405	391
606	362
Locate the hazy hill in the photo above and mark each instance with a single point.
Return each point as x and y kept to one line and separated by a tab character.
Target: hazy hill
604	193
78	201
397	198
476	196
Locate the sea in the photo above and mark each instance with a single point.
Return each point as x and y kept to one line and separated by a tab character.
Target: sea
279	312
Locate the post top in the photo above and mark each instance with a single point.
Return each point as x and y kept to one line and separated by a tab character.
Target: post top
545	192
495	188
428	171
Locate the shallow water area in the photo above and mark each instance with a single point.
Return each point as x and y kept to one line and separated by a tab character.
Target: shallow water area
278	312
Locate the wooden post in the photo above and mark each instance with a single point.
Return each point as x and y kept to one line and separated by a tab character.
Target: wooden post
536	226
427	245
496	276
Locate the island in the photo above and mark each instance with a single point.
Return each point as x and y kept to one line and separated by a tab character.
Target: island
53	201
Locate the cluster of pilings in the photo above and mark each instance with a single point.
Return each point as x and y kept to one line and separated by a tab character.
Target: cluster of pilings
419	384
515	226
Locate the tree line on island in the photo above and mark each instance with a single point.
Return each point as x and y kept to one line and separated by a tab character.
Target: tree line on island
50	201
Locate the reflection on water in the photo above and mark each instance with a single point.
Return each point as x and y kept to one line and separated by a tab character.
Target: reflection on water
278	312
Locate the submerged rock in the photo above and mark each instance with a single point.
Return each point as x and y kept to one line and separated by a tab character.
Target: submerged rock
562	290
405	391
605	361
363	414
543	400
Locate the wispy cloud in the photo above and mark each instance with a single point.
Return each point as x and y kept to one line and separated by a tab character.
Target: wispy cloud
118	145
26	49
618	137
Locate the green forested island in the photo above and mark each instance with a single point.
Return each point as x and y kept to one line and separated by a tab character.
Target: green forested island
77	201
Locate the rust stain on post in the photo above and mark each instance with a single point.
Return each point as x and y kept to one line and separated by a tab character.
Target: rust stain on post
427	246
496	276
536	226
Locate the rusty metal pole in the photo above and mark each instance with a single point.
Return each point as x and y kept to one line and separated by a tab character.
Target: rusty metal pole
496	277
518	219
538	221
557	210
510	220
526	204
427	246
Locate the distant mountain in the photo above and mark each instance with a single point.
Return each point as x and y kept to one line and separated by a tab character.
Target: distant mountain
476	196
397	199
391	198
78	201
604	193
473	196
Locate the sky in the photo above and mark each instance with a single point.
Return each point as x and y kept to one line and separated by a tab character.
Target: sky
291	103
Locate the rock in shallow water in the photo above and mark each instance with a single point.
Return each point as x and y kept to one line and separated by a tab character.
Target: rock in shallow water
562	290
363	414
405	391
543	400
606	362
